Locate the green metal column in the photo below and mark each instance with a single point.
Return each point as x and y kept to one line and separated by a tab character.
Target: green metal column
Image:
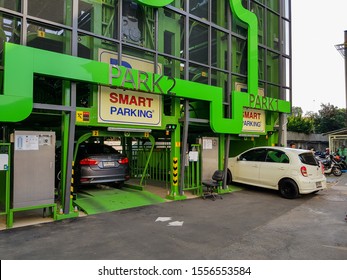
5	177
175	157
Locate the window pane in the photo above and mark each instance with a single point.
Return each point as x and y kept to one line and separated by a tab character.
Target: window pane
239	56
58	10
219	49
14	5
84	95
286	68
178	4
277	156
198	74
199	8
90	47
286	6
47	90
171	34
198	42
273	91
219	79
273	31
99	17
220	10
273	70
254	155
138	24
10	30
138	59
273	4
48	38
286	36
260	12
261	63
171	67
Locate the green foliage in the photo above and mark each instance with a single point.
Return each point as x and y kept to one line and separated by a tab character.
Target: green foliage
300	124
328	118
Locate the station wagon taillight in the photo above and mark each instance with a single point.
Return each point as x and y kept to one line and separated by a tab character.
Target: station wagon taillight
88	161
123	160
303	170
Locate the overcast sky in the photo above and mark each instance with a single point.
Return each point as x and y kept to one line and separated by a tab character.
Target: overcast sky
318	68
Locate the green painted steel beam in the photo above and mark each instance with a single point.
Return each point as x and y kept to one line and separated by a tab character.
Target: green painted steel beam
21	63
251	20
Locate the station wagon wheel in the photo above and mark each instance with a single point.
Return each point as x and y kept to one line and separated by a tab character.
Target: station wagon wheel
288	189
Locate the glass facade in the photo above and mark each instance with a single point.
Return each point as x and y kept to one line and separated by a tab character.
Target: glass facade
189	57
196	40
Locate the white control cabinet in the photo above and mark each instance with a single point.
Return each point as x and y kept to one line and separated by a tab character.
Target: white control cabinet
33	168
209	156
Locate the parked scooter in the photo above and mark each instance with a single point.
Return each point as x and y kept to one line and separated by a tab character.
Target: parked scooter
330	166
340	160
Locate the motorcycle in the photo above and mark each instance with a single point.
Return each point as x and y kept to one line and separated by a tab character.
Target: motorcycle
340	160
331	166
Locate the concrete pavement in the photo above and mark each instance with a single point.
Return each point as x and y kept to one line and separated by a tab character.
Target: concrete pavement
251	224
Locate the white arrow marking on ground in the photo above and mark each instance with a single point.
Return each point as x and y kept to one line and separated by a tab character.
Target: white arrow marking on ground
175	224
163	219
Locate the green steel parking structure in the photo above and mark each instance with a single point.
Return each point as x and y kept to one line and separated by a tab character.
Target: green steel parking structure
164	81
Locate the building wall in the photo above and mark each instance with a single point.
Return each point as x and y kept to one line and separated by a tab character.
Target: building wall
318	142
195	40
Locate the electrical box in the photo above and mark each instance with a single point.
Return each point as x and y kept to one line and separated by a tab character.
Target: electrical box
3	162
33	168
209	156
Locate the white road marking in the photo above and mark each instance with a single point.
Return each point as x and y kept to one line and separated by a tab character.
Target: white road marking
335	247
163	219
175	224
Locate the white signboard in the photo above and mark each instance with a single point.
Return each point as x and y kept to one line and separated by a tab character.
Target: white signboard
3	161
26	142
126	106
253	119
129	107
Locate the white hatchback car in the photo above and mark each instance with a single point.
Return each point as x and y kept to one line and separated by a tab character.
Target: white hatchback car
291	171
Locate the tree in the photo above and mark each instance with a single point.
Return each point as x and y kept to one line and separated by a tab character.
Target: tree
296	111
298	123
329	118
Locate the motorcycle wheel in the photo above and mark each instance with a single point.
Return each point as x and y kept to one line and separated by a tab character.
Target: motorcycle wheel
337	171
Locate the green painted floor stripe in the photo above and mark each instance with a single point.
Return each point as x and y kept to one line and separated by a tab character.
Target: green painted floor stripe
234	188
100	201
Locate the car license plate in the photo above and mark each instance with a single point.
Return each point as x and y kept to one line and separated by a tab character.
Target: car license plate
109	164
